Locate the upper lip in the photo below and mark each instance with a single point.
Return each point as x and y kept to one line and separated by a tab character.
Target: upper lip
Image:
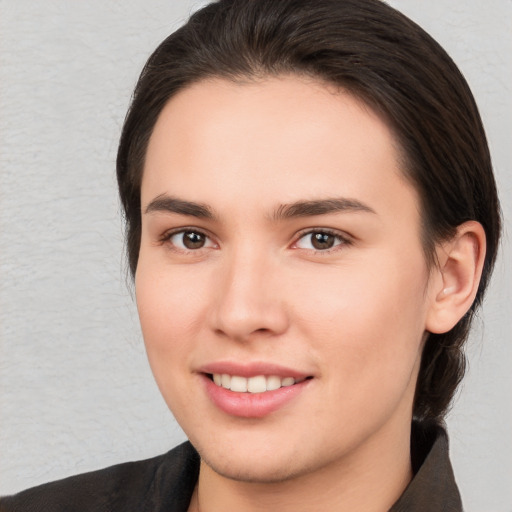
251	369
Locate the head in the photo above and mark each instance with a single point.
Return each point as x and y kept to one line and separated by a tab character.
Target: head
389	65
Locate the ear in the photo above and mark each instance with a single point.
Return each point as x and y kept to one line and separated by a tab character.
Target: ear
456	279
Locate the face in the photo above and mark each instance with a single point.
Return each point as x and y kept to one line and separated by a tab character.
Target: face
281	285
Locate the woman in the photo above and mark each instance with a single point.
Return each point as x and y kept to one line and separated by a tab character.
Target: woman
311	223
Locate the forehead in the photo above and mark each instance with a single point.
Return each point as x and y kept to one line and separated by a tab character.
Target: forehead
273	140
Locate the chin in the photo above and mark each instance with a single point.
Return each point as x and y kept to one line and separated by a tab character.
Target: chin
257	459
259	472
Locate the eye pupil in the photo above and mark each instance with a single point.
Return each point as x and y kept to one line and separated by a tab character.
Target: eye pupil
322	240
193	240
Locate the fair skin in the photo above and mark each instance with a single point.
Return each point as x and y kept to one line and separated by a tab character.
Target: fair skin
280	239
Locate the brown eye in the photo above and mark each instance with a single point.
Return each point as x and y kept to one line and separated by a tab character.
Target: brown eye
193	240
189	240
320	241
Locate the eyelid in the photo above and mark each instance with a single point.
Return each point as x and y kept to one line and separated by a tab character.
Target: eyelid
167	235
345	239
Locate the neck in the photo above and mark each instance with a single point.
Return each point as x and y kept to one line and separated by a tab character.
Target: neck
370	480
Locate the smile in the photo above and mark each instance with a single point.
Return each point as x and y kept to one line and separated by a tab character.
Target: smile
256	384
252	390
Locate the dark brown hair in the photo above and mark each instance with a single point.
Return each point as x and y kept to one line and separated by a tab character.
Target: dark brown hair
381	57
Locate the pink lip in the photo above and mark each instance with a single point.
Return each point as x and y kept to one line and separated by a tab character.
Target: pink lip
251	369
251	405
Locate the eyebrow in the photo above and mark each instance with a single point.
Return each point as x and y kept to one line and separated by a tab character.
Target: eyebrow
169	204
165	203
320	207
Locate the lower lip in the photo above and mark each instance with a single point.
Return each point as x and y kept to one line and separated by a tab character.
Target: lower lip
252	405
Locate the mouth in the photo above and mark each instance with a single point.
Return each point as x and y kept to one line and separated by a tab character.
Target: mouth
256	384
253	389
253	396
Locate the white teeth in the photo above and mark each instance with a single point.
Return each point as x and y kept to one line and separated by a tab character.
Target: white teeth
273	382
238	384
257	384
288	381
225	381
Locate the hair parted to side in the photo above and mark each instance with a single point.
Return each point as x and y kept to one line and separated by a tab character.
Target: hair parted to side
381	57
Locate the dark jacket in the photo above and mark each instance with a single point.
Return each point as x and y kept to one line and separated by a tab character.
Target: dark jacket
166	483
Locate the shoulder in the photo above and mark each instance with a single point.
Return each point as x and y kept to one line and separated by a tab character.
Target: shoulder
143	485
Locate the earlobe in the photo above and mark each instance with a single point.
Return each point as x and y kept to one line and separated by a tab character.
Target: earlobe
461	261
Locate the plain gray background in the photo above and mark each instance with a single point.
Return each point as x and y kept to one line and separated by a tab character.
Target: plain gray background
76	392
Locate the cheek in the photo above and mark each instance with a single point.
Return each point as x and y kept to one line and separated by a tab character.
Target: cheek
366	317
169	305
369	348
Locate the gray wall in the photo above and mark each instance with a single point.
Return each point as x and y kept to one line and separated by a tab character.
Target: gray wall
76	392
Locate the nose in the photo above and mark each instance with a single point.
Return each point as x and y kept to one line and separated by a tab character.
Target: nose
249	300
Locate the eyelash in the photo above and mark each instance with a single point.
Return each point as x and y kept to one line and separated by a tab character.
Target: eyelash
167	236
343	240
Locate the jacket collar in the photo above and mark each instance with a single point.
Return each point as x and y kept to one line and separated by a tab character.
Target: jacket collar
433	486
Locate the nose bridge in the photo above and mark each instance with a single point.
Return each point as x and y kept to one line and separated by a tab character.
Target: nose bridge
248	298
